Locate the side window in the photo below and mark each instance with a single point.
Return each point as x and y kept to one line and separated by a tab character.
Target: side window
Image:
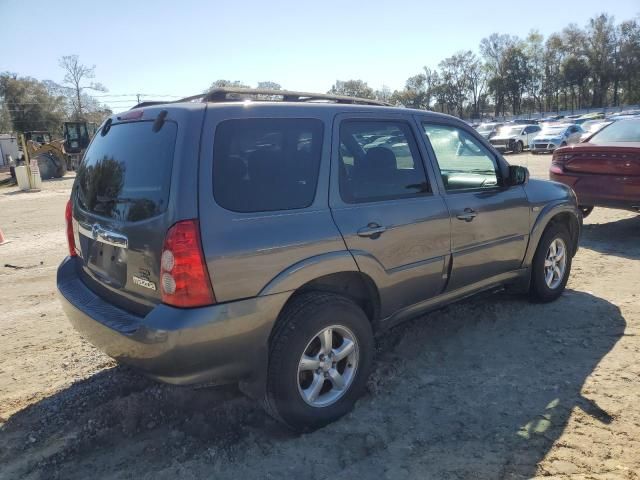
379	160
464	163
266	164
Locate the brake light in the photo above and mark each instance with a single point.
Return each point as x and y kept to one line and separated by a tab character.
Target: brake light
68	216
184	281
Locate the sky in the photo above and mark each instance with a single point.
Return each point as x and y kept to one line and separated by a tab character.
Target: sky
178	48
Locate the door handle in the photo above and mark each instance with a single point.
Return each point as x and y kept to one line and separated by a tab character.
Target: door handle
468	215
372	230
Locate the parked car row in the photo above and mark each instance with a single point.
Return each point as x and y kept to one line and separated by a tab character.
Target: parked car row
548	134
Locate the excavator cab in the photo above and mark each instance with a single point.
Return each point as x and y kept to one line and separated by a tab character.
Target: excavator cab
38	136
76	137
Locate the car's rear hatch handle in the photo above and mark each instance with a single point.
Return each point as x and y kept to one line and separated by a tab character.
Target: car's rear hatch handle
101	234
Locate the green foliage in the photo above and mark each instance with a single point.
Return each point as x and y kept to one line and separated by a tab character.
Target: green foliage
29	104
352	88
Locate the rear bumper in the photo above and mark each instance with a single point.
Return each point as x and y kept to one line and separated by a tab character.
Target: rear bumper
602	190
218	344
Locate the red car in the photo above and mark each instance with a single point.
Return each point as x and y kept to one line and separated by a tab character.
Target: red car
604	170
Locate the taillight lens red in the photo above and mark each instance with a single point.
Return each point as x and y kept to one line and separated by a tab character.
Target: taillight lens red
68	216
184	281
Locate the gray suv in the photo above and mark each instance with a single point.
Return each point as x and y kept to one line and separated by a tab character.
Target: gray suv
267	242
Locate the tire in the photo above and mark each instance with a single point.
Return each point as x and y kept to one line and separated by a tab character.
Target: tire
298	332
541	290
519	147
586	210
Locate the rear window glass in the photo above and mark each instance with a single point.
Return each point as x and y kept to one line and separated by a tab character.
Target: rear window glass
266	164
620	131
126	174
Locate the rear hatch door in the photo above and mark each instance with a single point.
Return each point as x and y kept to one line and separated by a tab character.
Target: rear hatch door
120	198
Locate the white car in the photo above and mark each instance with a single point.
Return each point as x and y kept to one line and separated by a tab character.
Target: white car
514	138
556	136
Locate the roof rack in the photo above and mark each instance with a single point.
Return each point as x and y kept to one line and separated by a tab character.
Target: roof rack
235	94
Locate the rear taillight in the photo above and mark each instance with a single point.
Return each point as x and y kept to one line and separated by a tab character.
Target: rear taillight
184	280
558	161
68	216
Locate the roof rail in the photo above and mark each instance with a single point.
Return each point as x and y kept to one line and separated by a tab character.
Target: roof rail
236	94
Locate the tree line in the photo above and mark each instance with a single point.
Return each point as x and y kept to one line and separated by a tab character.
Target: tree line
28	104
594	66
591	67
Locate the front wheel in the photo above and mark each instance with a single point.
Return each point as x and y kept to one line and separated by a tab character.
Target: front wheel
551	264
519	147
320	358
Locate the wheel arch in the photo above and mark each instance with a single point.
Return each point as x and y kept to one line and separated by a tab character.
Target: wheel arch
563	213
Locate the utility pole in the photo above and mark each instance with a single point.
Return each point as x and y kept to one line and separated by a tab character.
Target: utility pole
138	97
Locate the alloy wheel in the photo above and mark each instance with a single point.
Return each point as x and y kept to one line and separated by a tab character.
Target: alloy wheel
555	263
328	366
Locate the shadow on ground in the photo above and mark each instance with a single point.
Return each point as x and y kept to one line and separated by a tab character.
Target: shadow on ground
620	238
481	389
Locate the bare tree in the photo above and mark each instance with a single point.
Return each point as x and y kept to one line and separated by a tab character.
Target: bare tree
77	80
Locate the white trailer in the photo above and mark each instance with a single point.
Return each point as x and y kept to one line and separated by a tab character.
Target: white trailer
8	148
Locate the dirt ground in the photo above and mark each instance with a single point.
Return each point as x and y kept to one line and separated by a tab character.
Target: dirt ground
493	387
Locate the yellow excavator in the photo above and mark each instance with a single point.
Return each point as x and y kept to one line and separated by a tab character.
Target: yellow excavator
56	157
50	154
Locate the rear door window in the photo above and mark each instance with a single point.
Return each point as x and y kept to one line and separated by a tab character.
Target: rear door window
266	164
126	173
379	160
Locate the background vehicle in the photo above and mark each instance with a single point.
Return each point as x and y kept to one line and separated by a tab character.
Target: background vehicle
555	136
309	228
605	170
514	138
77	136
489	130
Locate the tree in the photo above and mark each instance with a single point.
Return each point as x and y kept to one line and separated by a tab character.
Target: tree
629	60
493	49
601	43
29	104
534	50
454	72
76	79
516	73
227	83
268	85
352	88
476	82
384	94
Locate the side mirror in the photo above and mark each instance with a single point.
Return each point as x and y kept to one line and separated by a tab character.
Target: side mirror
518	175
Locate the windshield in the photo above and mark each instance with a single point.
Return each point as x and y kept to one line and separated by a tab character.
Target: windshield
511	130
553	130
486	128
620	131
126	173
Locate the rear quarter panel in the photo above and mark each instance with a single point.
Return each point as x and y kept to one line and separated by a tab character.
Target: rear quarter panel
245	251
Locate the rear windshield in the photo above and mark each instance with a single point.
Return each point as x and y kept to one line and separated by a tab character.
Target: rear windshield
620	131
266	164
126	174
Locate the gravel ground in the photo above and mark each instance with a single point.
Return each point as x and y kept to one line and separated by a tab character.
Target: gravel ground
493	387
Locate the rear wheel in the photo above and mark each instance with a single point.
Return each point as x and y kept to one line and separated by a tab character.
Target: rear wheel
586	210
320	358
551	264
